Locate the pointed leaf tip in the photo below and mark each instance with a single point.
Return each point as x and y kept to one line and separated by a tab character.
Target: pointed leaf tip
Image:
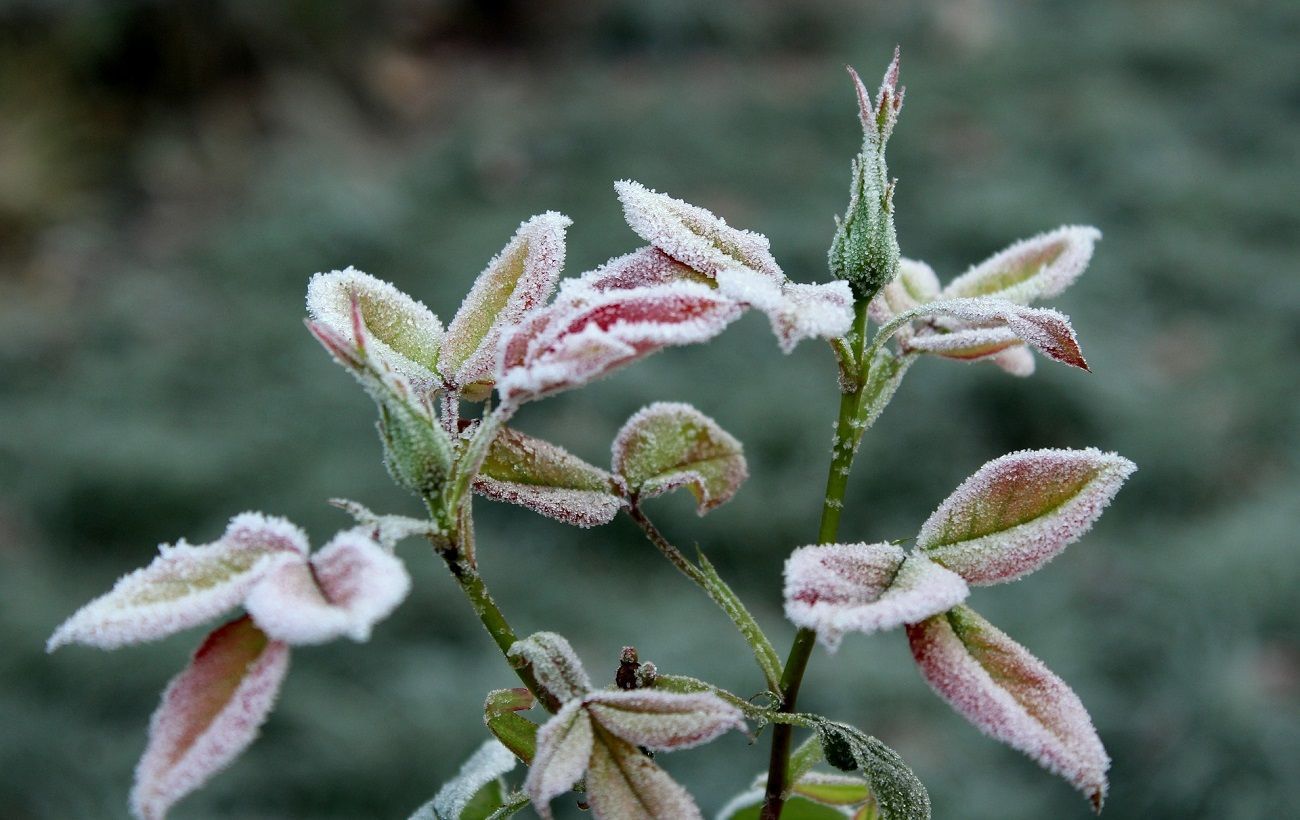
1009	695
209	714
1040	267
669	445
1019	511
988	327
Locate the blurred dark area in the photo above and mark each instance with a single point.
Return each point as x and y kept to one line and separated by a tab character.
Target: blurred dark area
172	173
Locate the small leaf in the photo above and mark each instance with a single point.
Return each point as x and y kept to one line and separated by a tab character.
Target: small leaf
838	588
898	792
1009	695
387	530
749	806
185	585
886	374
663	721
623	784
693	236
516	282
795	311
669	445
547	479
1036	268
564	747
915	285
516	732
573	342
209	714
400	331
462	797
1019	511
832	789
350	584
641	268
554	663
990	326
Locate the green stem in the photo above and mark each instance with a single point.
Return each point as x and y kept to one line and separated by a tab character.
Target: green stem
837	479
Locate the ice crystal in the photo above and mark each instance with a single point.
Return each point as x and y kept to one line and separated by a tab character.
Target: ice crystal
554	663
209	714
1019	511
1009	694
796	311
488	763
549	480
669	445
623	784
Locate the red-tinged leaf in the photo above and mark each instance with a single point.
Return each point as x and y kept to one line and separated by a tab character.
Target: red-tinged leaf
693	236
915	285
623	784
669	445
1036	268
1047	330
398	330
185	585
516	732
549	480
838	588
564	748
879	116
641	268
209	714
351	584
573	342
663	721
1019	511
516	282
1008	694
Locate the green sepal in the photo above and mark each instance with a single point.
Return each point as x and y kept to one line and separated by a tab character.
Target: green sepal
516	732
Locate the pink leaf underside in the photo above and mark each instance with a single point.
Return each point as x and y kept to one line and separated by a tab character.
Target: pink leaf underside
623	784
209	714
692	235
1008	694
555	665
185	585
351	584
564	747
915	285
796	311
568	345
516	282
644	267
990	326
549	480
1036	268
1019	511
663	721
838	588
399	330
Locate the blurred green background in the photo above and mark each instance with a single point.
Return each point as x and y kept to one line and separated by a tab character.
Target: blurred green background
171	174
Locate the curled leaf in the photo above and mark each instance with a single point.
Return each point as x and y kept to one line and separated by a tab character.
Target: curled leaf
796	311
898	792
664	721
547	479
641	268
387	530
516	732
838	588
1036	268
347	587
1008	694
564	748
990	326
402	331
692	235
209	714
517	281
464	795
1019	511
554	663
669	445
185	585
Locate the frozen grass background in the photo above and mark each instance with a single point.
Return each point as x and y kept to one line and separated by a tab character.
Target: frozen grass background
171	174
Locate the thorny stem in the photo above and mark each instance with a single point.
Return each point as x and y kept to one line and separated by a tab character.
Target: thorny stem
837	479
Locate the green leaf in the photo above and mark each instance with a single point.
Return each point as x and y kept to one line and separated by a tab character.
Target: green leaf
516	732
724	597
883	379
669	445
831	789
547	479
900	795
476	792
749	806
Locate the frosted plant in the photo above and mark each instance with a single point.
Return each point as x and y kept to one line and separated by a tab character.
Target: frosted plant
523	334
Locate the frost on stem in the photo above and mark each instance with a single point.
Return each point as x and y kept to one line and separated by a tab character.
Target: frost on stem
668	445
1008	694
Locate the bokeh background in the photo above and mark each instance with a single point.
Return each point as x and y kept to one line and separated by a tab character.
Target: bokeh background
171	174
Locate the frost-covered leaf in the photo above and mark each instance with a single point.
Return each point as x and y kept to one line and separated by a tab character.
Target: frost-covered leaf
547	479
564	747
402	332
990	326
475	792
832	789
691	235
516	282
209	714
669	445
1017	360
351	584
573	342
663	721
796	311
915	285
623	784
896	789
516	732
886	374
1036	268
645	267
555	665
838	588
387	530
1008	694
1019	511
185	585
749	806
